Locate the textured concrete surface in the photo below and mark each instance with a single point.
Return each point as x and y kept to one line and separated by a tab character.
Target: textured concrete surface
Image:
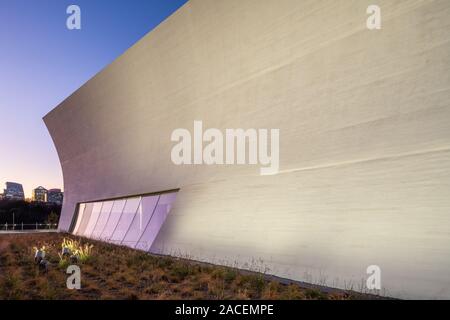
364	121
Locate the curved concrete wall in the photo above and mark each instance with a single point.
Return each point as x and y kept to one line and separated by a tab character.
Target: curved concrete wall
364	138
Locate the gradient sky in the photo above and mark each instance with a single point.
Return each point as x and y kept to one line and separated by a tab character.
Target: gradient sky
42	63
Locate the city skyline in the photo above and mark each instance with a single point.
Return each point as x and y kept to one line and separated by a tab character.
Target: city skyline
13	188
44	63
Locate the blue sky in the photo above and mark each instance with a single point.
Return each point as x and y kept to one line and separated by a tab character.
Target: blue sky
42	63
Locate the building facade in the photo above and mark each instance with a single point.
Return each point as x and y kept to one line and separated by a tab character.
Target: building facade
13	191
364	148
55	196
39	194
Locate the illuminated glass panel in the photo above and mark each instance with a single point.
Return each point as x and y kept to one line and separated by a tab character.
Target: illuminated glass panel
114	217
85	219
102	219
79	217
140	221
133	222
93	219
129	212
159	216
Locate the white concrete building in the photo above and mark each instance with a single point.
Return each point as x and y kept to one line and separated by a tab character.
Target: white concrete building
364	119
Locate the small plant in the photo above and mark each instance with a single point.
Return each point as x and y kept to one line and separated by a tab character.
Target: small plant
227	274
315	294
63	261
293	292
254	282
84	252
68	246
180	271
74	251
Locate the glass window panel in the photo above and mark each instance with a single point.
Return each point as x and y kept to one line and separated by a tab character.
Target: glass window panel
79	217
93	220
85	220
134	222
140	221
124	223
159	216
114	217
102	219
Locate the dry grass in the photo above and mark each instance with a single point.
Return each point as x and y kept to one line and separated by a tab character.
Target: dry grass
114	272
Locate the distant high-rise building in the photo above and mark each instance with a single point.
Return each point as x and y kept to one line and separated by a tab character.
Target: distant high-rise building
13	191
40	194
55	196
